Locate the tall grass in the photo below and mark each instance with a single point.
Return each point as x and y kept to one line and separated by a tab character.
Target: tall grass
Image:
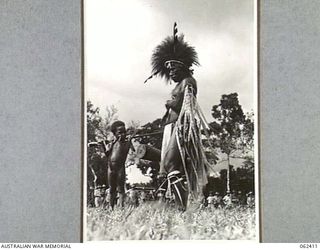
157	221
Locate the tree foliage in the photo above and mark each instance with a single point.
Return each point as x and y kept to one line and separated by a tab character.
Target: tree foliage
93	122
233	130
241	179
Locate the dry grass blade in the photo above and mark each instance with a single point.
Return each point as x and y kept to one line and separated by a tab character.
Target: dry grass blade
154	221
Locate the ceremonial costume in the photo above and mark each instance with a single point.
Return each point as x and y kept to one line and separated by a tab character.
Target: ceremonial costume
183	157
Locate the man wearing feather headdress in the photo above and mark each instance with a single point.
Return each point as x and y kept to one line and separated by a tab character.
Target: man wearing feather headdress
183	159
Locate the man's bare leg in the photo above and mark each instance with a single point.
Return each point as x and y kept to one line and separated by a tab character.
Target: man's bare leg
112	179
174	167
121	184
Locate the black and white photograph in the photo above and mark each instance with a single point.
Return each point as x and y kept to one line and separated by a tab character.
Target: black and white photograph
170	120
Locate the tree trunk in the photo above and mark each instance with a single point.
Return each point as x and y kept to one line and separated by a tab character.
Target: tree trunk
228	174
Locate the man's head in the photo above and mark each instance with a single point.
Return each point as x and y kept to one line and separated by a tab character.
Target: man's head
177	70
118	128
173	50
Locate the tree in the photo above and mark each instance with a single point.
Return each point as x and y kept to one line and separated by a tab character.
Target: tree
229	120
248	132
104	130
232	129
93	122
247	177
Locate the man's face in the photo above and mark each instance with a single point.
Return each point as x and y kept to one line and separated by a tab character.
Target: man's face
121	132
176	73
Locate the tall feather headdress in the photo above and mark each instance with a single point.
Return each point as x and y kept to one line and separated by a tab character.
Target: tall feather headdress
173	48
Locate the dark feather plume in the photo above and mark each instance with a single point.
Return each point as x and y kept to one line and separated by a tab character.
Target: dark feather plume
171	50
175	36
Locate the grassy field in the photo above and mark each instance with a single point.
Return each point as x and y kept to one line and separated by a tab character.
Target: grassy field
157	221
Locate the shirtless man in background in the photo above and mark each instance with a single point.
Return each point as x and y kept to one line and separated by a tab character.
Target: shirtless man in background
116	153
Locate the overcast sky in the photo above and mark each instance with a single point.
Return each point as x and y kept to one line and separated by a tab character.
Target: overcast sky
120	36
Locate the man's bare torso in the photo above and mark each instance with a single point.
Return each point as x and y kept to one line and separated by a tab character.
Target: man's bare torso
118	154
